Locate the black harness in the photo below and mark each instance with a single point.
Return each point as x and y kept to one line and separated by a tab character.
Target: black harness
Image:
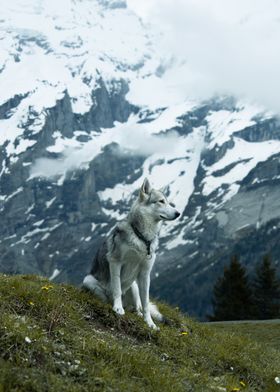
142	238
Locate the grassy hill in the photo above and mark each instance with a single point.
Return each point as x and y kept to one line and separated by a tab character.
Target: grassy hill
263	331
60	338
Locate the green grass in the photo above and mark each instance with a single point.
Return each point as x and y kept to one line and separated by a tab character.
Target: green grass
266	333
60	338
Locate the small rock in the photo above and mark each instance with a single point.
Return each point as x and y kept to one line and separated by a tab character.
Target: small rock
164	357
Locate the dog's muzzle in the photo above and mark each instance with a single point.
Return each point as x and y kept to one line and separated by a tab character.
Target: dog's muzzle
176	215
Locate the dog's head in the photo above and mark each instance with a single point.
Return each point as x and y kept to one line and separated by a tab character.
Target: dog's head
156	203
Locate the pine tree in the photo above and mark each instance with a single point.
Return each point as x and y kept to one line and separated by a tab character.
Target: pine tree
266	291
232	296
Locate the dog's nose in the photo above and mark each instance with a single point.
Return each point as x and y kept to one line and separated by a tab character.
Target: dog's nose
177	214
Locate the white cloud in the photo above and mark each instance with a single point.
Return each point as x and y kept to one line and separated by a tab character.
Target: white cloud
143	8
142	139
220	47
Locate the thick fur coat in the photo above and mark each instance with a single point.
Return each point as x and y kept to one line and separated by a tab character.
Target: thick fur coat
122	266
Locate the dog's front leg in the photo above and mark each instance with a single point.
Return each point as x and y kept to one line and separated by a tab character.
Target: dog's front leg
115	274
136	298
144	288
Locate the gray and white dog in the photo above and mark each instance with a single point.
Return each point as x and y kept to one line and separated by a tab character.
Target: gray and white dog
121	268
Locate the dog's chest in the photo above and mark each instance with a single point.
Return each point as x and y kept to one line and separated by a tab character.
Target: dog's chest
132	264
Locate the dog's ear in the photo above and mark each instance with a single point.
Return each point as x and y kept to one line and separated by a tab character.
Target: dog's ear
145	189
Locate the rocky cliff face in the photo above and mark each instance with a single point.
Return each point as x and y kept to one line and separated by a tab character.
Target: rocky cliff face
46	222
239	214
82	123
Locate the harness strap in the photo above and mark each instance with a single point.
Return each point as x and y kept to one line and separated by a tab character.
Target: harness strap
142	238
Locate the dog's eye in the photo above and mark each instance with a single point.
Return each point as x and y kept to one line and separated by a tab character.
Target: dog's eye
172	205
162	201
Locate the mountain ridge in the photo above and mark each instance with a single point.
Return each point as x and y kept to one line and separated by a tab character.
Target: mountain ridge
83	120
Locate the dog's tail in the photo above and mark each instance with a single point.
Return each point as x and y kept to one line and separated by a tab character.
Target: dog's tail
94	286
155	313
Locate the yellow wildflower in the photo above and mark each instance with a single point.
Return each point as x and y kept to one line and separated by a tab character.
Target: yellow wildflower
47	287
184	333
242	383
31	303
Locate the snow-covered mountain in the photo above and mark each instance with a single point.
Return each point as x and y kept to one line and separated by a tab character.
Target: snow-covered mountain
87	110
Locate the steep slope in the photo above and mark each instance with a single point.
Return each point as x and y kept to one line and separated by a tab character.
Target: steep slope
58	338
234	209
64	75
87	111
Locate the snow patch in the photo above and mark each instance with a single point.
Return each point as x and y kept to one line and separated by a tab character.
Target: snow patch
223	123
245	155
176	241
55	273
50	202
20	189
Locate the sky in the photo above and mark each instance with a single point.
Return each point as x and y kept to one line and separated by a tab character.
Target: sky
219	46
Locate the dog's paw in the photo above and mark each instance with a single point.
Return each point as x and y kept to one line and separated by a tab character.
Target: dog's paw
119	310
152	325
